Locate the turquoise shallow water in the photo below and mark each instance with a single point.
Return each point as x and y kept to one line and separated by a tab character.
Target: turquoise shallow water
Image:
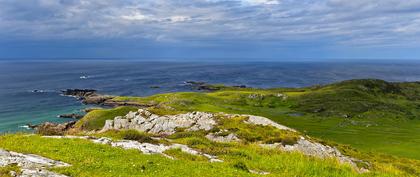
19	105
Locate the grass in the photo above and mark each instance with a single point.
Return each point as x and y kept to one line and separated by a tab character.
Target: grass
5	171
178	154
89	159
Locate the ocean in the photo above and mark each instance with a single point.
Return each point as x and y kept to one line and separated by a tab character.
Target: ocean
20	104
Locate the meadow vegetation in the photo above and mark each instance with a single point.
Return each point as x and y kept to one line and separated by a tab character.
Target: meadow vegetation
89	159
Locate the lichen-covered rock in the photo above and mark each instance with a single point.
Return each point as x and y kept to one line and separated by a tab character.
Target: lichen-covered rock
314	149
319	150
223	139
31	165
147	148
49	128
145	121
121	123
109	124
258	120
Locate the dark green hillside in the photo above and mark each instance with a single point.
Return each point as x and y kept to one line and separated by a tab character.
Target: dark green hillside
367	98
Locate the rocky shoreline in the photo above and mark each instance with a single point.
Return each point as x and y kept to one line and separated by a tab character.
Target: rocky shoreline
90	96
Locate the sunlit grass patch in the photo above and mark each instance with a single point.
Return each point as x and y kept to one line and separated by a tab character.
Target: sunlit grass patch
89	159
5	171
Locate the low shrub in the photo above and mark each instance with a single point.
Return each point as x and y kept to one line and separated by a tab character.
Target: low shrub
186	134
241	166
137	136
289	140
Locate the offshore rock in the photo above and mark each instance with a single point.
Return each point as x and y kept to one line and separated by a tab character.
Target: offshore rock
78	92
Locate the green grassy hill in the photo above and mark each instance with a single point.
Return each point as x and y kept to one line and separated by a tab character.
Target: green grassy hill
369	119
369	114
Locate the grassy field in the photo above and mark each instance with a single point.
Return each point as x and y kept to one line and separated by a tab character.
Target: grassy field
89	159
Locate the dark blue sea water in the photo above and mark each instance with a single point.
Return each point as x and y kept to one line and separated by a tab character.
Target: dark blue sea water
19	105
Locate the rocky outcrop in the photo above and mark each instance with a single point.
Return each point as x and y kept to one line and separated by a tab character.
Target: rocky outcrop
49	128
145	121
87	96
223	139
258	120
78	92
30	165
317	150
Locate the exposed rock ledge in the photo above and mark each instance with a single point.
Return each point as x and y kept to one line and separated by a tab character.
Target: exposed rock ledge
145	121
31	165
317	150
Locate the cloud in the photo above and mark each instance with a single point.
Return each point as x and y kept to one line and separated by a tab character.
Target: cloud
135	16
261	2
208	22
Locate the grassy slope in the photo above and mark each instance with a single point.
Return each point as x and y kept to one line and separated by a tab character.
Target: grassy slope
90	159
383	116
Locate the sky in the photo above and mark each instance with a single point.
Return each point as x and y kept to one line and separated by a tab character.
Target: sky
211	29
